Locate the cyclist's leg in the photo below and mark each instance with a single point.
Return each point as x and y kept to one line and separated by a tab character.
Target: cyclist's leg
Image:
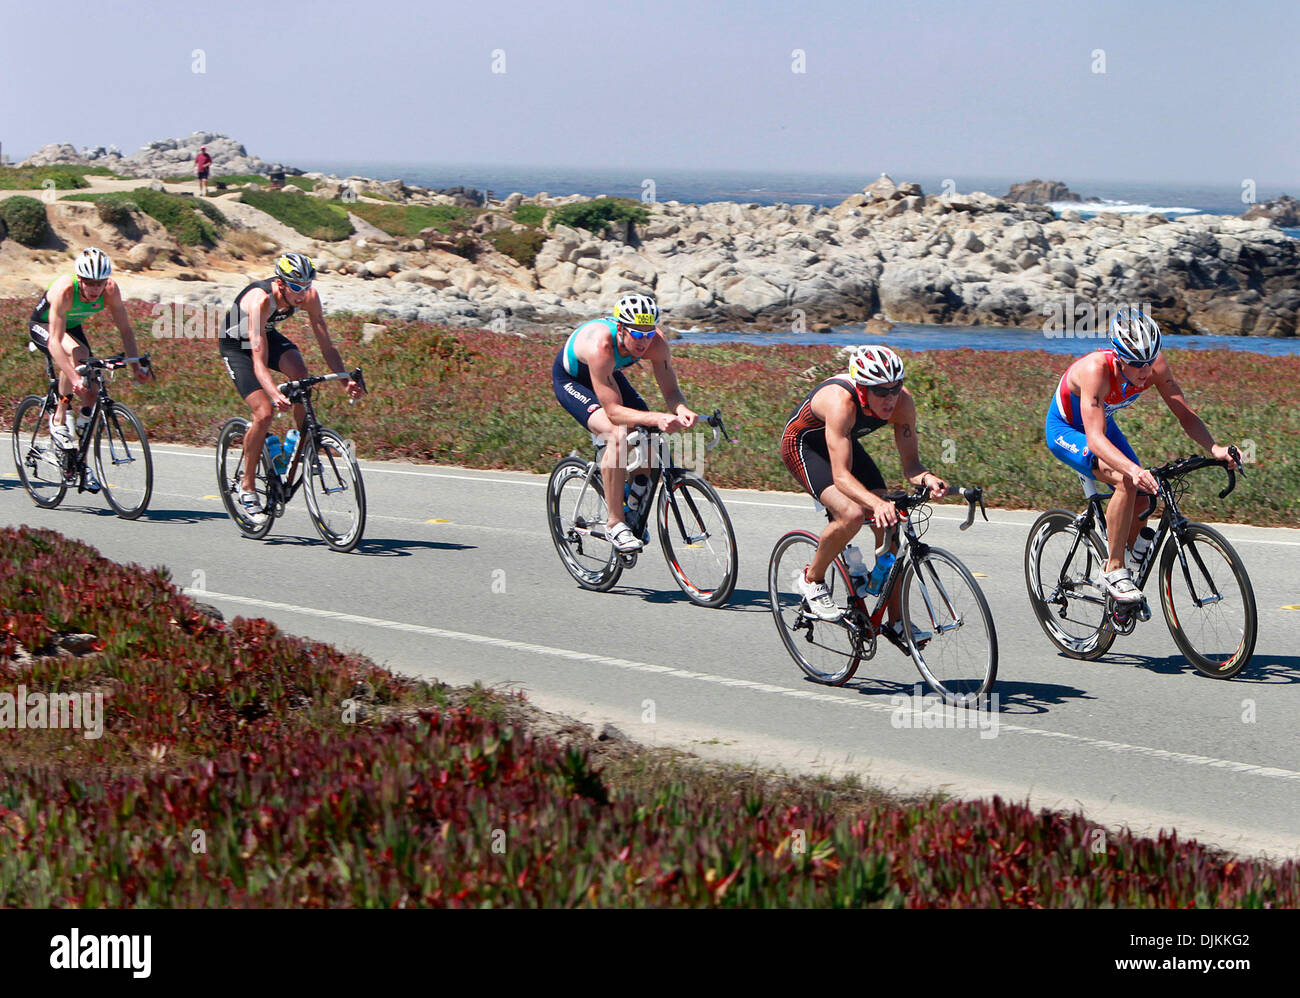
239	365
288	361
1122	523
810	465
77	347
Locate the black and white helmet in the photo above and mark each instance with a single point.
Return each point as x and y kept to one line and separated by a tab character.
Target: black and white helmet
93	264
875	365
1135	336
295	268
637	310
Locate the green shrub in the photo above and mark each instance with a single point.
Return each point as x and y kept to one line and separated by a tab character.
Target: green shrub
302	183
530	214
522	246
114	211
596	215
467	246
66	178
311	217
189	220
26	219
408	219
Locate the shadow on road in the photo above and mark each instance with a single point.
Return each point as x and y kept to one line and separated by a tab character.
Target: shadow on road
379	547
180	515
742	600
1263	668
1012	698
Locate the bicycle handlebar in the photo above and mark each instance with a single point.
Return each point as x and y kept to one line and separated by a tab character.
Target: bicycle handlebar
1184	466
305	384
114	363
973	496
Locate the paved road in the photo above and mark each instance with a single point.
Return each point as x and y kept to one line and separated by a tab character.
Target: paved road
457	578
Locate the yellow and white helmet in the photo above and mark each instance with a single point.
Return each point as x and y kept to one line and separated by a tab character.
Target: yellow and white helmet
637	310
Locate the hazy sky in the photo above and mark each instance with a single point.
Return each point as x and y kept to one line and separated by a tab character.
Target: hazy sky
1192	91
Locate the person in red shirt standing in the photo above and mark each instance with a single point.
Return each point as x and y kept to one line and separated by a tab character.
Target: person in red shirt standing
202	163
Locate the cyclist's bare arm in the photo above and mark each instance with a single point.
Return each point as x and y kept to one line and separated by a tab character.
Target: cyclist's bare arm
1191	423
839	412
1092	410
316	318
662	361
600	362
904	423
60	297
113	301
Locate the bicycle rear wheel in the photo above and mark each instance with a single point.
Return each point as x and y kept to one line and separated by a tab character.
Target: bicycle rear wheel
697	540
230	471
827	651
336	496
37	458
576	512
1217	637
127	474
959	656
1067	599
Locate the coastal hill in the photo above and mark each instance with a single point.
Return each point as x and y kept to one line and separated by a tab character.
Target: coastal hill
892	250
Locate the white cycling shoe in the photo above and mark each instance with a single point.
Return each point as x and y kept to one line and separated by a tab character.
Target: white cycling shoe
624	541
1119	585
62	436
252	507
818	599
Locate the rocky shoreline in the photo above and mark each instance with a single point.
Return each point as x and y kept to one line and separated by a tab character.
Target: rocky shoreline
891	253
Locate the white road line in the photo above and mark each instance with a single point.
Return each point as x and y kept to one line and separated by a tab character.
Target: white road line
1182	758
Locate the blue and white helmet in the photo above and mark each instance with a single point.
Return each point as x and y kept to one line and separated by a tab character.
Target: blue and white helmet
1135	336
93	264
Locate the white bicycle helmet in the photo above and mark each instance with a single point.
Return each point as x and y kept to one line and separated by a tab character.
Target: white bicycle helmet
93	264
1135	336
875	365
637	310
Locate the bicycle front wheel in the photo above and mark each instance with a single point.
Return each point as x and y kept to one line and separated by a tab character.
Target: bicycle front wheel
230	472
37	457
336	497
955	645
1218	637
697	540
576	512
1067	598
827	651
123	462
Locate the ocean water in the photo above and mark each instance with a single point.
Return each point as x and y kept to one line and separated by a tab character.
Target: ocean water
911	336
701	186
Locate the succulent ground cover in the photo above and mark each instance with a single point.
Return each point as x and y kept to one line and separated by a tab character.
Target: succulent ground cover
240	766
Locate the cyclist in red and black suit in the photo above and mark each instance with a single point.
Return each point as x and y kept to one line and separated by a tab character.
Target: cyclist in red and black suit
820	447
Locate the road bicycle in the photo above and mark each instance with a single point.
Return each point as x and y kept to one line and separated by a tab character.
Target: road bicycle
1208	601
323	462
113	437
956	647
694	529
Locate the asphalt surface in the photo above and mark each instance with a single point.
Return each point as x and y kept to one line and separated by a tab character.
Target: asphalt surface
457	579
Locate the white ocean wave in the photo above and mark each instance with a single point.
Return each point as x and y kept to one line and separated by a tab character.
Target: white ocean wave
1118	207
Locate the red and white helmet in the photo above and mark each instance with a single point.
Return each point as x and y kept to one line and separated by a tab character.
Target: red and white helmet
875	365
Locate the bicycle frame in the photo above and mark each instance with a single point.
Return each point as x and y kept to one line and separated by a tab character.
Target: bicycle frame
1092	521
658	473
76	460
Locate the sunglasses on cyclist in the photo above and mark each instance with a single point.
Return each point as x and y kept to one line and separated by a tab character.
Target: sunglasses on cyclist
885	391
638	334
1142	366
296	288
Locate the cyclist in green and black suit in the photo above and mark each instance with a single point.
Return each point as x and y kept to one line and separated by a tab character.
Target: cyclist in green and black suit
252	346
56	331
